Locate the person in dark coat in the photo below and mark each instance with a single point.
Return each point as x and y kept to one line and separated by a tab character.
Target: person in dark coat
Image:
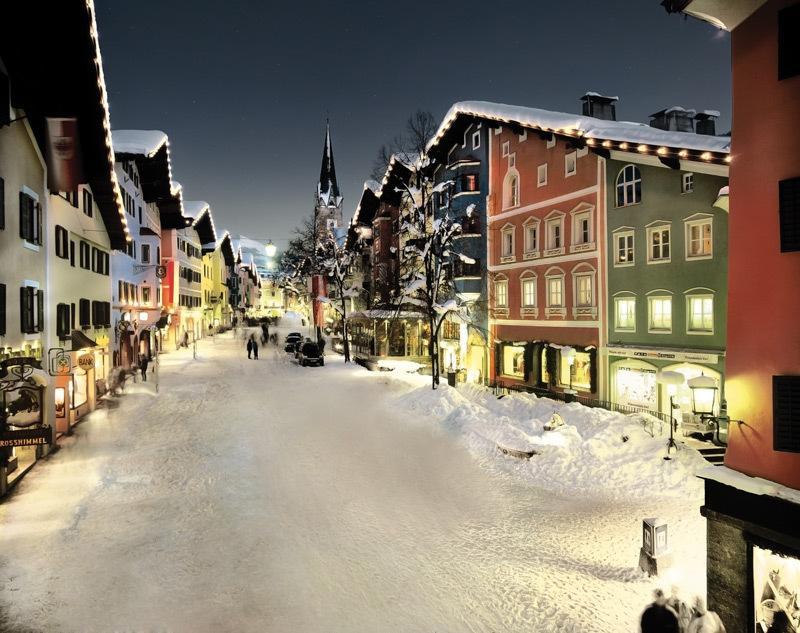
186	339
659	617
255	349
249	347
143	362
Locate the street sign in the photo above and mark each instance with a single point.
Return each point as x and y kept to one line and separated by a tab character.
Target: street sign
86	362
26	437
161	272
59	362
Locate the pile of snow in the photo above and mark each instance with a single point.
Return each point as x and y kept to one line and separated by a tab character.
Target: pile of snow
407	366
292	320
595	453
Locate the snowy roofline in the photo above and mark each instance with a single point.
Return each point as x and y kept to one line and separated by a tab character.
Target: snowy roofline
753	485
195	208
581	126
138	142
597	94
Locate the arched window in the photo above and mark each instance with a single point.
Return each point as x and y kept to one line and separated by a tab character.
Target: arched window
511	190
629	186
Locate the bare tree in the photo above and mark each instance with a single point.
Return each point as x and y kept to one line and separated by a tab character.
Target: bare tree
335	261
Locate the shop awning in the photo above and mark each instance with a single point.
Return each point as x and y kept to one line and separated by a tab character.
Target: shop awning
81	341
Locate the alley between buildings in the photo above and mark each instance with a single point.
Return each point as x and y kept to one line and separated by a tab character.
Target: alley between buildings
262	496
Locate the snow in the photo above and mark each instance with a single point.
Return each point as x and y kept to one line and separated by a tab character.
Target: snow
724	191
195	208
138	142
262	496
400	365
589	127
753	485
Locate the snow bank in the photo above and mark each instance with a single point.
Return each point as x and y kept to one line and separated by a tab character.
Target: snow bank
399	365
596	453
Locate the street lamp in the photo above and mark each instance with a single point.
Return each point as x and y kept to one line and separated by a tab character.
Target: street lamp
568	355
271	249
704	397
672	380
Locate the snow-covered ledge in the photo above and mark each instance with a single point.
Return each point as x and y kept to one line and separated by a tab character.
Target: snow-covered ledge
753	485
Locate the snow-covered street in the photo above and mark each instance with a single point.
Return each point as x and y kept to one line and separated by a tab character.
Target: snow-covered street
261	496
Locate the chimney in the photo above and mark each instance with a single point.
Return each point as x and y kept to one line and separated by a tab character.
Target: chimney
599	106
674	119
705	122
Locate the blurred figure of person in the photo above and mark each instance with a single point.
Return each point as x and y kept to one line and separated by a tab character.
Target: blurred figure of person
658	617
255	349
704	621
249	347
143	362
186	339
679	606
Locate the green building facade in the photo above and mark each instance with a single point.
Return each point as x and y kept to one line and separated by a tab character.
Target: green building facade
667	231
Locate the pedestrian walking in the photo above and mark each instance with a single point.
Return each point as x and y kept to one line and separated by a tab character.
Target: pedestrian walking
679	606
186	339
143	362
249	347
658	617
255	349
704	621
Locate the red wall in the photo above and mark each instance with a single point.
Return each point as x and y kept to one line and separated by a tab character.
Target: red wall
764	284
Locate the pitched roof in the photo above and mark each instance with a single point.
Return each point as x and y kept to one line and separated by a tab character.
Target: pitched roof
622	135
203	223
39	90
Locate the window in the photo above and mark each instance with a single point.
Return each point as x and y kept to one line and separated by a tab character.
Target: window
31	308
529	292
511	190
501	293
30	218
476	140
625	314
145	253
506	149
570	164
789	214
579	375
146	294
513	360
554	237
584	290
659	244
555	292
87	202
786	413
85	259
532	237
582	228
551	142
687	183
62	321
541	177
469	182
623	253
788	36
698	239
660	311
84	316
62	242
700	314
507	242
629	186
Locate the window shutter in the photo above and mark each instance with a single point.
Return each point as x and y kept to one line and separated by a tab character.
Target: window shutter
84	313
108	314
789	211
786	413
40	310
37	216
788	34
72	316
2	309
95	316
24	215
2	199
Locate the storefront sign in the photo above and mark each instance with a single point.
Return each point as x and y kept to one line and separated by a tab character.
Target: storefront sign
655	354
18	366
59	363
26	437
86	362
161	272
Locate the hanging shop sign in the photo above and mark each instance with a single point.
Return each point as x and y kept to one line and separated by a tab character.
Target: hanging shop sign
26	437
161	272
59	362
86	362
655	354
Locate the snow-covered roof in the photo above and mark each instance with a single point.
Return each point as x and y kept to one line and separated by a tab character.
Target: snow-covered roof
597	94
138	142
373	185
590	128
753	485
195	208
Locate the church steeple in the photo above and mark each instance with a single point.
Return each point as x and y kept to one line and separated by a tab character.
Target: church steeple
328	188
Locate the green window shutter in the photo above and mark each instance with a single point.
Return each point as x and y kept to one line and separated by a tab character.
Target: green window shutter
2	204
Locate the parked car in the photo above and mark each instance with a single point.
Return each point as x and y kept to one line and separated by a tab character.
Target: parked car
309	353
292	339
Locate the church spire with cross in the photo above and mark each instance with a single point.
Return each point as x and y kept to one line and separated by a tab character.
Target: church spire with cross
328	198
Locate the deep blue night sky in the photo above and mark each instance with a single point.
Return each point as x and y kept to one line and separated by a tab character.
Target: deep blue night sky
243	88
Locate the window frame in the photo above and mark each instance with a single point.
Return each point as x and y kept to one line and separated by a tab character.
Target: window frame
476	144
687	182
622	181
574	155
551	277
651	329
690	297
531	251
619	301
501	283
624	234
508	229
540	170
698	222
511	189
528	277
661	227
577	277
